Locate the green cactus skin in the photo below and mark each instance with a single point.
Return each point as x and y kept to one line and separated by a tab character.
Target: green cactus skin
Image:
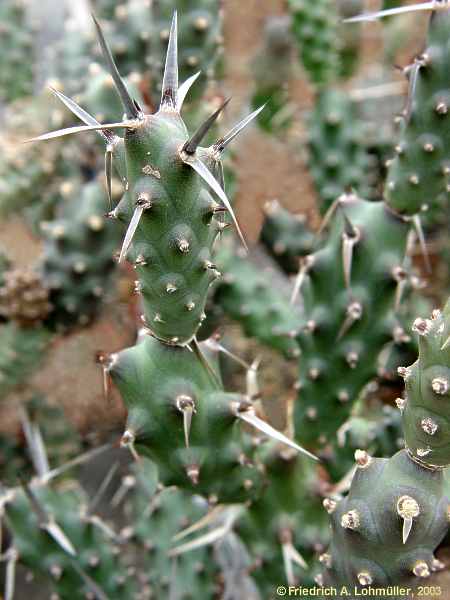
200	34
287	514
78	264
248	295
175	380
172	246
338	158
272	69
286	236
157	517
315	29
427	381
337	360
16	75
418	175
21	354
38	551
367	546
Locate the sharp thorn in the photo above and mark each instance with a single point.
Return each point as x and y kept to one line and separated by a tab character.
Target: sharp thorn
169	94
10	575
90	583
184	89
134	222
305	265
108	174
82	114
103	487
432	5
58	535
79	460
79	129
422	243
250	417
201	523
210	180
204	540
128	103
218	347
406	530
195	140
223	142
35	444
204	361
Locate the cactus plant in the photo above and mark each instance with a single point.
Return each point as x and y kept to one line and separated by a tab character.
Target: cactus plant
408	516
421	161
